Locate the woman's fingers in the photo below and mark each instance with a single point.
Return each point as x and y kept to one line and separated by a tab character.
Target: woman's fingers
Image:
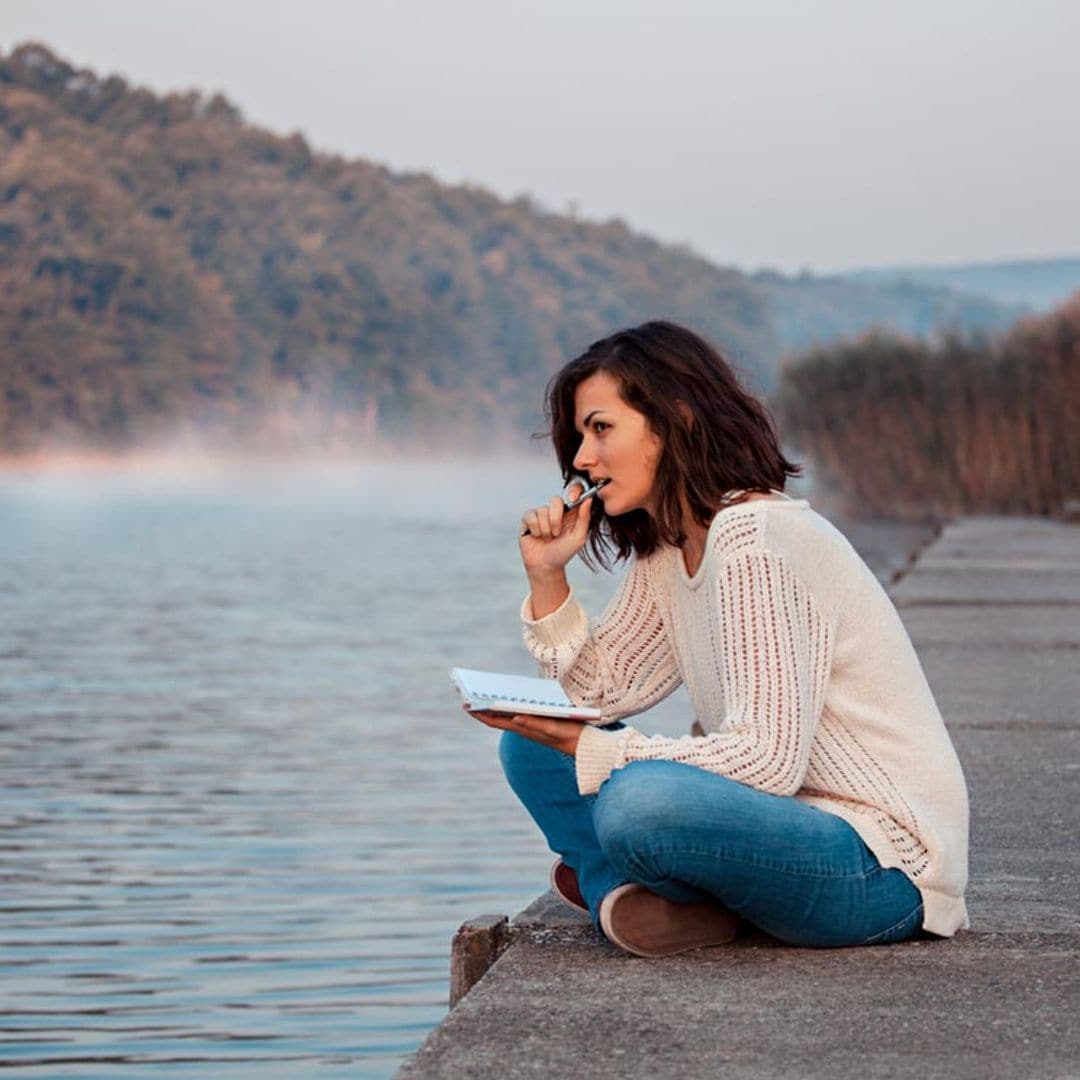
507	722
581	522
548	522
551	536
501	719
476	714
538	522
492	719
534	725
555	514
561	735
538	727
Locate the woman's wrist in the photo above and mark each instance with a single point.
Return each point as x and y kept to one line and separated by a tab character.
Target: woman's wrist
546	577
548	591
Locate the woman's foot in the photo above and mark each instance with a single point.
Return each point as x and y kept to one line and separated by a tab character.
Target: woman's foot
645	924
564	885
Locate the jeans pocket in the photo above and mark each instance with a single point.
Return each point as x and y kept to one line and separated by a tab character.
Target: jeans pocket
905	928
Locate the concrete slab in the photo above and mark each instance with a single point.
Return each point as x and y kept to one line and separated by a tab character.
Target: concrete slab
1002	999
1006	687
977	626
987	1005
1019	537
1042	588
996	561
1024	865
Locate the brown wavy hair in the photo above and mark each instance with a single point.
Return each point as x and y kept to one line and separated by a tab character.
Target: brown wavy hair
714	435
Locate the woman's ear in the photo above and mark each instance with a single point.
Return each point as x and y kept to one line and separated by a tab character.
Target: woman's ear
687	413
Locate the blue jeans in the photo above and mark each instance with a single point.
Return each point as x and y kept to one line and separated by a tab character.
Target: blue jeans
800	874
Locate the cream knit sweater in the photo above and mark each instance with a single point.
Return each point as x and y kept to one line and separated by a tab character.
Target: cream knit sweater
801	675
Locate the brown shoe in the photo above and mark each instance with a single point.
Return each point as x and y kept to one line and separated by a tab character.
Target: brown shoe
645	924
564	885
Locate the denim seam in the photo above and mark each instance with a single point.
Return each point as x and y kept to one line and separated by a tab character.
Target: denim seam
767	865
896	926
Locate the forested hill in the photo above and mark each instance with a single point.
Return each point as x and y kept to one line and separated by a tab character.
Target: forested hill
165	265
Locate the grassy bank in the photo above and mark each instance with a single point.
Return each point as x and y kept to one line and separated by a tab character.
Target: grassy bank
964	425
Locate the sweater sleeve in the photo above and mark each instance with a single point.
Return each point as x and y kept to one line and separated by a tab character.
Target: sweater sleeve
773	650
623	664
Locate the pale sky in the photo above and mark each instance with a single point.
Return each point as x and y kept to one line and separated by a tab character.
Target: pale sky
820	134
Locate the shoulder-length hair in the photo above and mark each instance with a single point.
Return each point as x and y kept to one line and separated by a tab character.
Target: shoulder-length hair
715	436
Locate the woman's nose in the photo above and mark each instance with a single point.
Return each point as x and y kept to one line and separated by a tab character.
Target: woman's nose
583	458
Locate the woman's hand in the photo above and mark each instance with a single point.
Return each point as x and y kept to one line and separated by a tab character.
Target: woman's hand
547	730
555	534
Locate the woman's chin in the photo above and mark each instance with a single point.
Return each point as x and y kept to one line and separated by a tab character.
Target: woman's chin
618	509
617	506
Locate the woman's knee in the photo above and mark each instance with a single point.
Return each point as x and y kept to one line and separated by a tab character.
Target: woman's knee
520	756
637	808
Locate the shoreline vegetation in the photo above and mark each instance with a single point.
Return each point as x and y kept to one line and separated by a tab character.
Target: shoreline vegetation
892	428
970	424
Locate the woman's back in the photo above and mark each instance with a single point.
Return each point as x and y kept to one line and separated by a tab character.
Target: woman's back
783	606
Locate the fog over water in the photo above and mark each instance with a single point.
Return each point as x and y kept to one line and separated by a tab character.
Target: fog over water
243	812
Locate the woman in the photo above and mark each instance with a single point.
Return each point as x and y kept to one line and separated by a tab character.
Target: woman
819	798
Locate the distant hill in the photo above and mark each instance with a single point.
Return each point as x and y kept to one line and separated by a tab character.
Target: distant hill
808	311
165	266
1041	284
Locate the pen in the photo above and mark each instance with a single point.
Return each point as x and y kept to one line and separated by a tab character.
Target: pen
587	493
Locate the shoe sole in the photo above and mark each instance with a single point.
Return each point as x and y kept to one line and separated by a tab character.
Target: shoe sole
645	924
580	908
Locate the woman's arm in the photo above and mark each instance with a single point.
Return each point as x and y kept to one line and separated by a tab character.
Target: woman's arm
623	664
772	656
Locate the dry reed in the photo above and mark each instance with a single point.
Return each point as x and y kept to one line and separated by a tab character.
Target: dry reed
968	424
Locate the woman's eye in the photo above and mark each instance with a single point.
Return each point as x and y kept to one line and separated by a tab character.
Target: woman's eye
599	424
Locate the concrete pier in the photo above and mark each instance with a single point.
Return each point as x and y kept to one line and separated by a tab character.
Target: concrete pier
993	606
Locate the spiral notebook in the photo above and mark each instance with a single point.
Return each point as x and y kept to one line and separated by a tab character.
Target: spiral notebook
488	691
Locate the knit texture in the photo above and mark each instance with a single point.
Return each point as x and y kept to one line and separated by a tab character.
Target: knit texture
799	671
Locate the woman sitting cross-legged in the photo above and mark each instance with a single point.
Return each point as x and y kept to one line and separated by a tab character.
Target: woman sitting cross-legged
820	798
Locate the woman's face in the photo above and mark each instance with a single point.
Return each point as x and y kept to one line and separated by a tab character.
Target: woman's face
617	445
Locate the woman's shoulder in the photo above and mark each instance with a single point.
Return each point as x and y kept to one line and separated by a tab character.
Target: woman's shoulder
821	556
791	530
746	526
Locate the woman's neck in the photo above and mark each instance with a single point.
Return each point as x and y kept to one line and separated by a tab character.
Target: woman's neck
693	547
695	534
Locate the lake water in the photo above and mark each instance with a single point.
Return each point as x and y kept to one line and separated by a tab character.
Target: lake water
242	811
